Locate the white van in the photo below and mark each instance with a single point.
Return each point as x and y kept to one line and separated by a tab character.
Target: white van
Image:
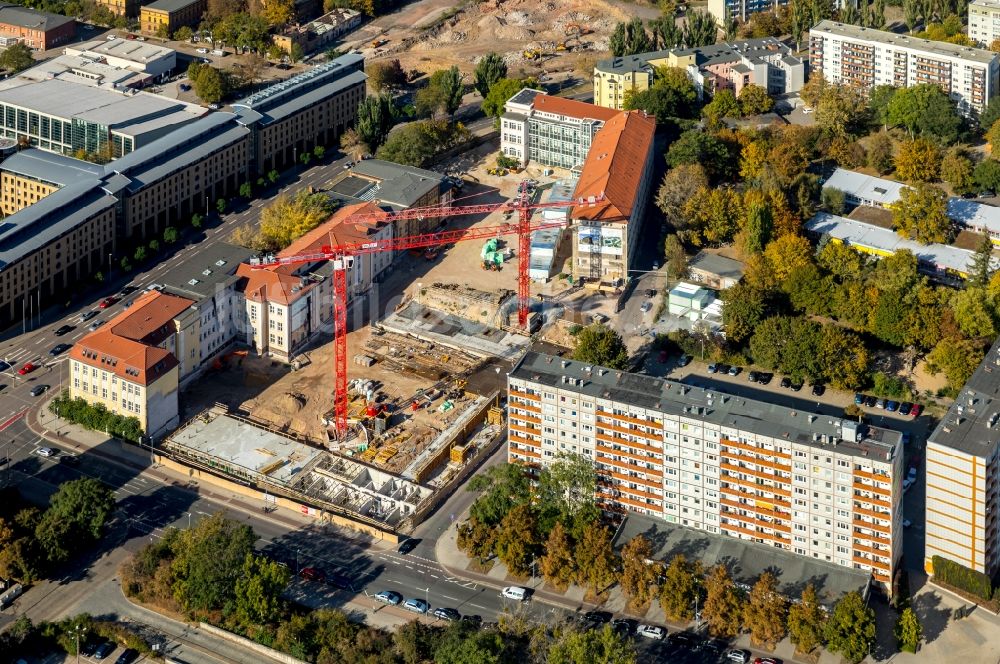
515	593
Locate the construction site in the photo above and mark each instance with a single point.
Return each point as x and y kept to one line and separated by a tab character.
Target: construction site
535	36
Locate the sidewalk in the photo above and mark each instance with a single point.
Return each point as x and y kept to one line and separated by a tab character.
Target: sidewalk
454	562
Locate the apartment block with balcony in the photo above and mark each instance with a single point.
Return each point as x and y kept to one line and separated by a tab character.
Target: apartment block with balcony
984	21
867	58
814	485
550	131
963	475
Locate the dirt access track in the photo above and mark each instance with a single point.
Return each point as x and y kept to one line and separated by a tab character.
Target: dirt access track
436	34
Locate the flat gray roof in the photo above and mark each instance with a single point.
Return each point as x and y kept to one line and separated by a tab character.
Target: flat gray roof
170	5
30	18
301	91
720	265
399	184
198	277
50	167
525	96
30	229
970	425
745	560
681	400
753	49
178	149
941	49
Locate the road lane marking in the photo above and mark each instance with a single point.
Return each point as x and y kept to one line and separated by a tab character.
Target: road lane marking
13	418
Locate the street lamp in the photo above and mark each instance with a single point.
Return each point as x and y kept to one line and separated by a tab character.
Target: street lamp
77	631
189	520
498	385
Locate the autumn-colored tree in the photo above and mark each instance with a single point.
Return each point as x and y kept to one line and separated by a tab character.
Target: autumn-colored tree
284	220
921	213
918	160
752	159
680	588
517	540
806	621
385	75
880	153
754	100
713	215
678	186
847	153
993	137
476	539
277	12
352	145
813	90
723	606
787	253
595	559
764	612
558	565
840	109
995	45
637	574
956	358
956	170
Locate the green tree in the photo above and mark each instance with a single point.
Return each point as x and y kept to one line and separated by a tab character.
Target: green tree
501	488
17	57
840	110
272	176
672	95
842	357
637	574
982	270
745	308
601	345
880	155
183	33
246	190
557	564
956	170
86	504
754	100
220	205
679	589
713	215
416	143
490	69
700	29
678	186
697	147
759	223
210	84
878	103
987	175
595	559
921	213
170	234
376	116
990	114
517	539
54	537
764	612
449	81
319	151
258	591
723	607
208	562
565	494
973	313
500	92
675	257
723	105
476	539
850	630
806	621
590	647
908	630
925	110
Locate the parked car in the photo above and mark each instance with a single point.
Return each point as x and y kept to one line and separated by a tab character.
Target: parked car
390	597
515	592
69	459
312	574
722	368
4	365
880	404
764	378
649	292
683	639
907	483
128	290
737	655
786	382
408	545
65	329
104	650
734	371
912	474
651	631
870	401
684	361
624	626
892	406
39	390
446	613
202	50
907	523
128	656
27	368
46	452
752	376
765	660
646	306
712	368
904	408
340	581
96	324
473	620
597	617
416	605
916	410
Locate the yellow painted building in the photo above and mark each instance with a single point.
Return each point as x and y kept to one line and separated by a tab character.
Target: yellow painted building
30	175
630	73
19	192
131	365
171	15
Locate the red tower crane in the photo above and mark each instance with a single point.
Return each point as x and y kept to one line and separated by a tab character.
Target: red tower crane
341	256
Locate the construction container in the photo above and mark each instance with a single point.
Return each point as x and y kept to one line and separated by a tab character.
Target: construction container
461	453
364	360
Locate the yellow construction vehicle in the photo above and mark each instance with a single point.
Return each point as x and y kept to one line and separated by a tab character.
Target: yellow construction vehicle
561	46
532	54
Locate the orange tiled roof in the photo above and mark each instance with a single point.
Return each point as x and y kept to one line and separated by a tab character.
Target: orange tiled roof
573	108
126	346
614	167
277	282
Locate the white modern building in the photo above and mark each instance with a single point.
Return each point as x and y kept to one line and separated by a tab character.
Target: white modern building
818	486
139	56
963	475
984	21
867	58
694	303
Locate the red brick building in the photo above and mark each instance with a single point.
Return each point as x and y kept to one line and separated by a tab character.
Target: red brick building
38	30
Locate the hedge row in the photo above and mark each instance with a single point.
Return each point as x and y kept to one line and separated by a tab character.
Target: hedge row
96	417
961	577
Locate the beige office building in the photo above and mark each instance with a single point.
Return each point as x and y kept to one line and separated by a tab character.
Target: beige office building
815	485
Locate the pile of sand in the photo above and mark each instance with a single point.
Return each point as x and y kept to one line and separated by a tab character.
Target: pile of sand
492	27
